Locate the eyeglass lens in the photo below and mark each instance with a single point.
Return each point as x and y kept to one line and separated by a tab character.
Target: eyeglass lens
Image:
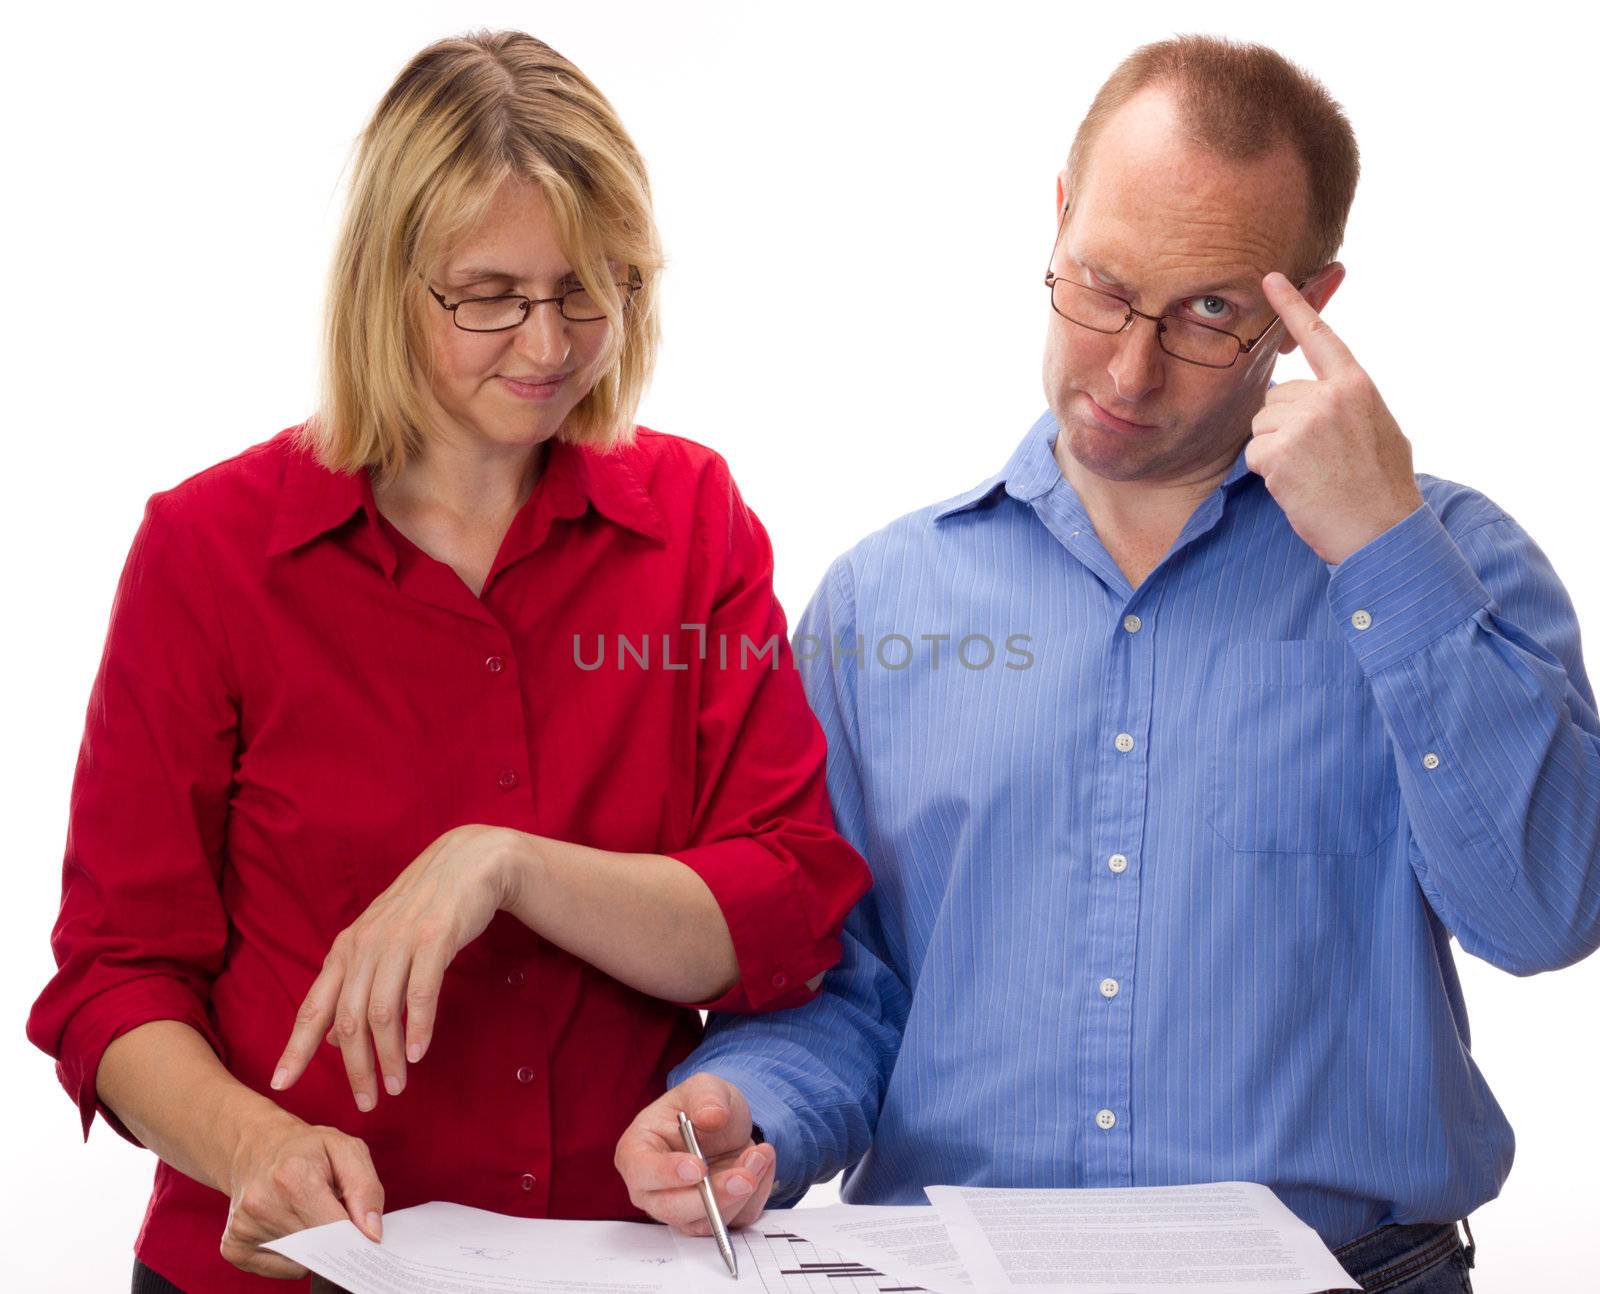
1178	337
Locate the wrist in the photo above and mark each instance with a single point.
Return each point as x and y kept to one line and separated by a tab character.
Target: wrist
1407	502
1378	525
249	1129
519	872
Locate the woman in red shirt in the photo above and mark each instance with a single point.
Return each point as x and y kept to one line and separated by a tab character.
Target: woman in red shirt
457	726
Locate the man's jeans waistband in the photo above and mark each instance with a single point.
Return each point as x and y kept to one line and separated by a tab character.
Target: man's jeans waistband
1422	1259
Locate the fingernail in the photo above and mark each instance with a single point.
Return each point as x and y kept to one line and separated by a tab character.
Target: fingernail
280	1078
392	1082
688	1171
414	1052
375	1226
364	1102
740	1186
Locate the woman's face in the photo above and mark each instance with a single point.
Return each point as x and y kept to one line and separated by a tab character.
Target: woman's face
512	388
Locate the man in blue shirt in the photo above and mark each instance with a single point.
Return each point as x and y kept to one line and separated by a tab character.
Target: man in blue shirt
1180	750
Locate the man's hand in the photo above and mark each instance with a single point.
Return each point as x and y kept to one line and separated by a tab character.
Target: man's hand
662	1176
1330	451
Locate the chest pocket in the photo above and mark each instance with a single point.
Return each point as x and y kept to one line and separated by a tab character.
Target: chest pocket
1300	761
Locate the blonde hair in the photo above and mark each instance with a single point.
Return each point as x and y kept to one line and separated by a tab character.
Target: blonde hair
465	115
1238	100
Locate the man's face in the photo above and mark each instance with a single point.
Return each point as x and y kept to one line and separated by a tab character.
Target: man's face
1174	230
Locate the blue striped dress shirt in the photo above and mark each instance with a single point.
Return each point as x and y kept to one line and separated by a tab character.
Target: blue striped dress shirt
1165	878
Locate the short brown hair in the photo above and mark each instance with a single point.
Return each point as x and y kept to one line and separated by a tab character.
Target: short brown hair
1238	100
465	115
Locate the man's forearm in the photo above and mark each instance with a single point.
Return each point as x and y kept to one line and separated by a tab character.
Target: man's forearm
1497	750
166	1084
644	919
815	1076
815	1133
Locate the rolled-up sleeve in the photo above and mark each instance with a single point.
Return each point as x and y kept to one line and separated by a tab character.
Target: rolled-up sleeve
763	837
142	931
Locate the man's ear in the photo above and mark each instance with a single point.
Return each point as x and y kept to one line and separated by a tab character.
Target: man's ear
1318	290
1061	191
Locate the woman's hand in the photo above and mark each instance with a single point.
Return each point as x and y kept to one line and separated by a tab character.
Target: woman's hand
288	1175
391	962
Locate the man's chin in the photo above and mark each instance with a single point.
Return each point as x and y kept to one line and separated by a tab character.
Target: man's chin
1107	454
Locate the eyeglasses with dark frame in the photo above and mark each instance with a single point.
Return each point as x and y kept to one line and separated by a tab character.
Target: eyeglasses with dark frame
1188	335
494	314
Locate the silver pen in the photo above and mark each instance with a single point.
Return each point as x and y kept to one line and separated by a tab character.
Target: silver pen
718	1227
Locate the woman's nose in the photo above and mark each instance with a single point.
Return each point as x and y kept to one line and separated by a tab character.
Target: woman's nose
542	337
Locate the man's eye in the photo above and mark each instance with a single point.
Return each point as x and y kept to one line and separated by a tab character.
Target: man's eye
1210	308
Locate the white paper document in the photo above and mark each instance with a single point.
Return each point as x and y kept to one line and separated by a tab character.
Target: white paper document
910	1240
452	1249
1233	1236
776	1260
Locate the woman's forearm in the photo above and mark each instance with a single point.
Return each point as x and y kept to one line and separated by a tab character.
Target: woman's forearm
166	1084
644	919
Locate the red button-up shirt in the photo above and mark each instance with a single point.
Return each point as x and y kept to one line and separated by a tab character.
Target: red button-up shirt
295	700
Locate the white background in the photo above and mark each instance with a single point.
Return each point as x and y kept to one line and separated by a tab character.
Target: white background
896	159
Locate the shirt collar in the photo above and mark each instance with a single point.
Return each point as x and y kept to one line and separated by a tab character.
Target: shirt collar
610	481
315	500
1032	472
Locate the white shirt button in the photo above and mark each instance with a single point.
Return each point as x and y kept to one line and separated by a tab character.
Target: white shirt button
1124	742
1361	620
1430	761
1105	1120
1118	863
1132	624
1109	987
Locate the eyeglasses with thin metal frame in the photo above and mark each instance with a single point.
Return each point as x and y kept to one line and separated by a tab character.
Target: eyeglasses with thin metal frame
562	303
1051	278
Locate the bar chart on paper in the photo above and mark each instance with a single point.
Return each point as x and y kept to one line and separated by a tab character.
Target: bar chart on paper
784	1263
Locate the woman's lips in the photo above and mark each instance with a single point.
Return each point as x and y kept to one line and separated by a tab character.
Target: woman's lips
1115	423
534	390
